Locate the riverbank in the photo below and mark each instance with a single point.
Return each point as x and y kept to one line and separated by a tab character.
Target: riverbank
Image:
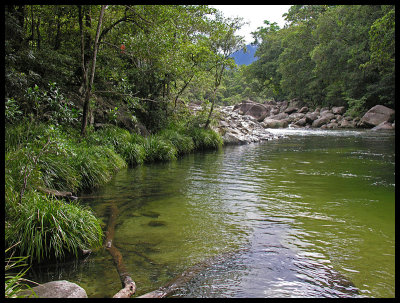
43	160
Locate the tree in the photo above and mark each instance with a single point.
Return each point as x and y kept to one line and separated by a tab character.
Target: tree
89	84
223	43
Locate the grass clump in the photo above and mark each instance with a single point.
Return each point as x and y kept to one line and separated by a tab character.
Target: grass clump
183	143
205	139
96	165
47	227
158	149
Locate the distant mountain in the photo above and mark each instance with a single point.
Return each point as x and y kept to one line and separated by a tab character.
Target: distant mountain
245	58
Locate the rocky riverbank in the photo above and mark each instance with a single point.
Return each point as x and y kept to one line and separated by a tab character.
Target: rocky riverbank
249	121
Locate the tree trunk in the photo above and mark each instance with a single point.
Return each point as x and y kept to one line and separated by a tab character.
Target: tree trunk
89	86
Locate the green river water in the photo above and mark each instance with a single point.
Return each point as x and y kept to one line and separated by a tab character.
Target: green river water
308	215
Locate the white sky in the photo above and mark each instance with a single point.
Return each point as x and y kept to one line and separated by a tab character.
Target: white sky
255	14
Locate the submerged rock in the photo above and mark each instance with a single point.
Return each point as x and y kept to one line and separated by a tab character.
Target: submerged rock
156	223
151	214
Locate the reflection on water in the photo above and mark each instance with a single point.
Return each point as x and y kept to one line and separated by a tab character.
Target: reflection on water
308	216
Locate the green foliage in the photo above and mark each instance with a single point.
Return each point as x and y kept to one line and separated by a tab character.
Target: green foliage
51	105
132	153
14	282
12	110
96	165
47	227
158	149
326	55
356	107
205	139
182	142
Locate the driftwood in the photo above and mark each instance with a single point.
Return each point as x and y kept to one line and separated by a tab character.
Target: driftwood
186	276
128	285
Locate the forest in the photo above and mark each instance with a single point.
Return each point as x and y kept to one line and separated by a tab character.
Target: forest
326	55
90	89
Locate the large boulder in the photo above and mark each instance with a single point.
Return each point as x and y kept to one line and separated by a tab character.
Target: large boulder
311	117
321	121
376	115
291	109
245	106
272	123
279	116
258	111
56	289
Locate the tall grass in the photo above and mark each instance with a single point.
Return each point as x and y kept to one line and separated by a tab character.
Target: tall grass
158	149
14	282
47	227
40	155
183	143
205	139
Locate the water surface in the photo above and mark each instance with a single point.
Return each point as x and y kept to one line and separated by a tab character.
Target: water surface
309	215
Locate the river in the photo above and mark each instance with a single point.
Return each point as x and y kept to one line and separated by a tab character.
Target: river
308	215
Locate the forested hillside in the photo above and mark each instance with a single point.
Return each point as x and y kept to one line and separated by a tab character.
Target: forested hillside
326	55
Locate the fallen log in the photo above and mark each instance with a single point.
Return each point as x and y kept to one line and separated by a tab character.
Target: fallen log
128	285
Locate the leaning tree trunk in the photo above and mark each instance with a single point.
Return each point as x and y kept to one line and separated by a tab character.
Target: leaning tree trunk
89	85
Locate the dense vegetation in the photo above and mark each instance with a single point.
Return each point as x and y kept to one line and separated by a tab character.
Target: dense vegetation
326	55
91	89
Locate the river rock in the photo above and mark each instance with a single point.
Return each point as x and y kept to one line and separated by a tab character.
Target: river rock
274	111
279	116
332	125
383	126
303	110
321	121
295	116
240	129
338	110
56	289
311	117
272	123
376	115
301	122
344	123
328	114
290	110
258	111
